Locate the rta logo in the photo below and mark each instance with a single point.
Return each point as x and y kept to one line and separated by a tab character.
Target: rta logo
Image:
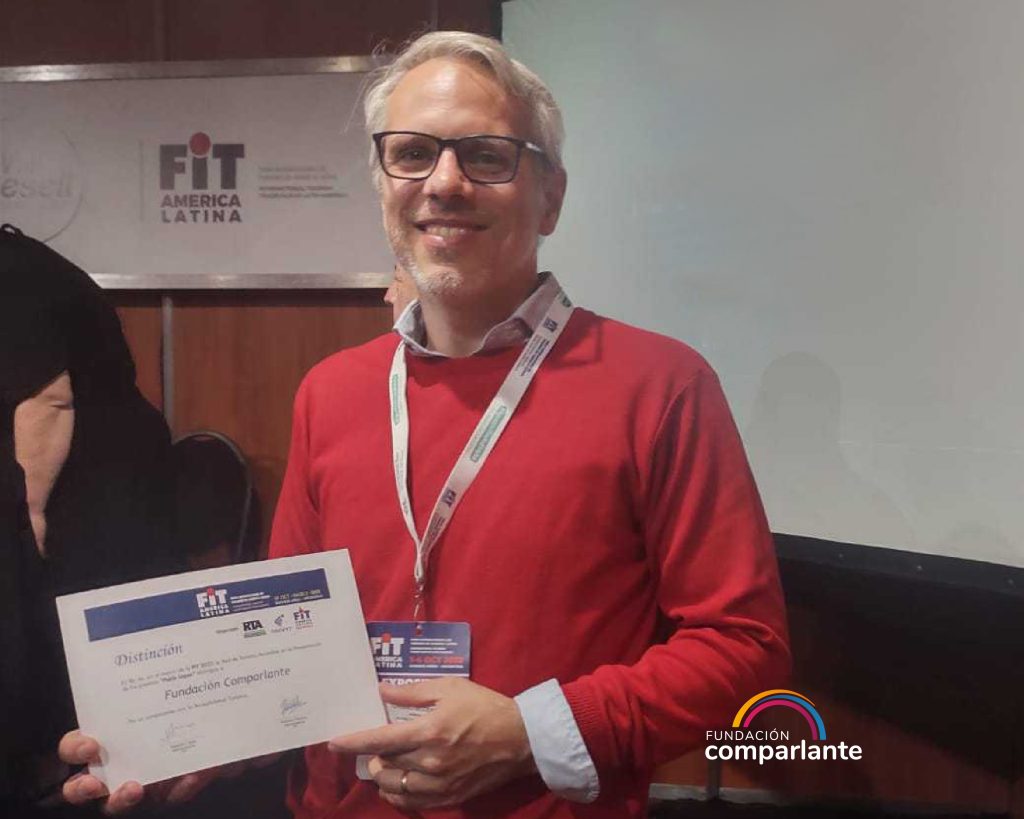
212	602
252	625
387	646
200	148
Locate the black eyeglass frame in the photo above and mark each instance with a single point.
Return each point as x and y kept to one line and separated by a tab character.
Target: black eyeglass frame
378	140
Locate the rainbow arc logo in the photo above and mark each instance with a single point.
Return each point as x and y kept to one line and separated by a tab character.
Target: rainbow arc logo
781	698
743	742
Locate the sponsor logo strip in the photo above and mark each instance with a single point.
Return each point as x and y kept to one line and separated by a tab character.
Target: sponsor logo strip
174	608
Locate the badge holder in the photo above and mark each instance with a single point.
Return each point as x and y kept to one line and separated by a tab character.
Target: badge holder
406	651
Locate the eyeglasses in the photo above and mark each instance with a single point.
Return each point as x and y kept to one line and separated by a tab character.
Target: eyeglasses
487	159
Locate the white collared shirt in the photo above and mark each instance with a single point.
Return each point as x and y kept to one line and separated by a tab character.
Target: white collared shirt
514	330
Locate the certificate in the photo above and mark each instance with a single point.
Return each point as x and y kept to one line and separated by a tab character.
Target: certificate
184	672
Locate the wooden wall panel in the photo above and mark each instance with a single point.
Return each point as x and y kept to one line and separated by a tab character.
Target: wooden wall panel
241	29
140	319
101	31
54	32
239	357
691	769
469	15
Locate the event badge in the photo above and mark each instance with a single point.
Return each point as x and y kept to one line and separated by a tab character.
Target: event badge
408	652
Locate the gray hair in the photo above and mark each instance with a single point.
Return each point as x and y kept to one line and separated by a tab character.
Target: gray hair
512	76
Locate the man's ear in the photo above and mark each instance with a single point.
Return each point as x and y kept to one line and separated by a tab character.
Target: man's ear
553	190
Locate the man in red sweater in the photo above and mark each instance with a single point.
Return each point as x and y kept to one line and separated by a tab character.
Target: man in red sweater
572	488
608	549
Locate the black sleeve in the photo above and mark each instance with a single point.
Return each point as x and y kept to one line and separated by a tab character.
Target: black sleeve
33	341
54	317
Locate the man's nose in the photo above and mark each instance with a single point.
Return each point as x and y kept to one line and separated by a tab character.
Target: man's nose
447	178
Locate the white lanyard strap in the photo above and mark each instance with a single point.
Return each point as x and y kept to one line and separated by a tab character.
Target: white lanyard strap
480	443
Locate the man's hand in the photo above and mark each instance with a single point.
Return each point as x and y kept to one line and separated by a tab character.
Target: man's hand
78	749
472	742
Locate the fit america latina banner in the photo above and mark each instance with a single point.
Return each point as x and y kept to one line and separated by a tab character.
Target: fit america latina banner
243	181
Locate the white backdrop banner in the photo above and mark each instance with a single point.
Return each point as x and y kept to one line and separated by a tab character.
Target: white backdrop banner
826	199
197	182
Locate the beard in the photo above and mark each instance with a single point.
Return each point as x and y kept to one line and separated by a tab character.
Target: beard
444	279
440	281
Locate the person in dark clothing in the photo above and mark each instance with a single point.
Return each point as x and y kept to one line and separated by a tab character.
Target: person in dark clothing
86	493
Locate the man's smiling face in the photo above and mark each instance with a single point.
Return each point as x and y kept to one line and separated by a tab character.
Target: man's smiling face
458	238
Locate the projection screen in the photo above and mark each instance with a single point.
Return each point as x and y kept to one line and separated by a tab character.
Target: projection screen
826	199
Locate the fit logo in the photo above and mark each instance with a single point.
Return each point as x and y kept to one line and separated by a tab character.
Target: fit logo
200	149
303	618
387	646
187	173
212	602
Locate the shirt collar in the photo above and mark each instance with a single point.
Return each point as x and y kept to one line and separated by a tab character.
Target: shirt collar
516	329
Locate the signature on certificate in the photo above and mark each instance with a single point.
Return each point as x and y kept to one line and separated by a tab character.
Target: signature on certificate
289	705
176	731
180	737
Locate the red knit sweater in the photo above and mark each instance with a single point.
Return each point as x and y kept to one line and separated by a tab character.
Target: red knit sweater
614	540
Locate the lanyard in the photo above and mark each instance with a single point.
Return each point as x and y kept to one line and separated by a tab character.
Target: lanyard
480	443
